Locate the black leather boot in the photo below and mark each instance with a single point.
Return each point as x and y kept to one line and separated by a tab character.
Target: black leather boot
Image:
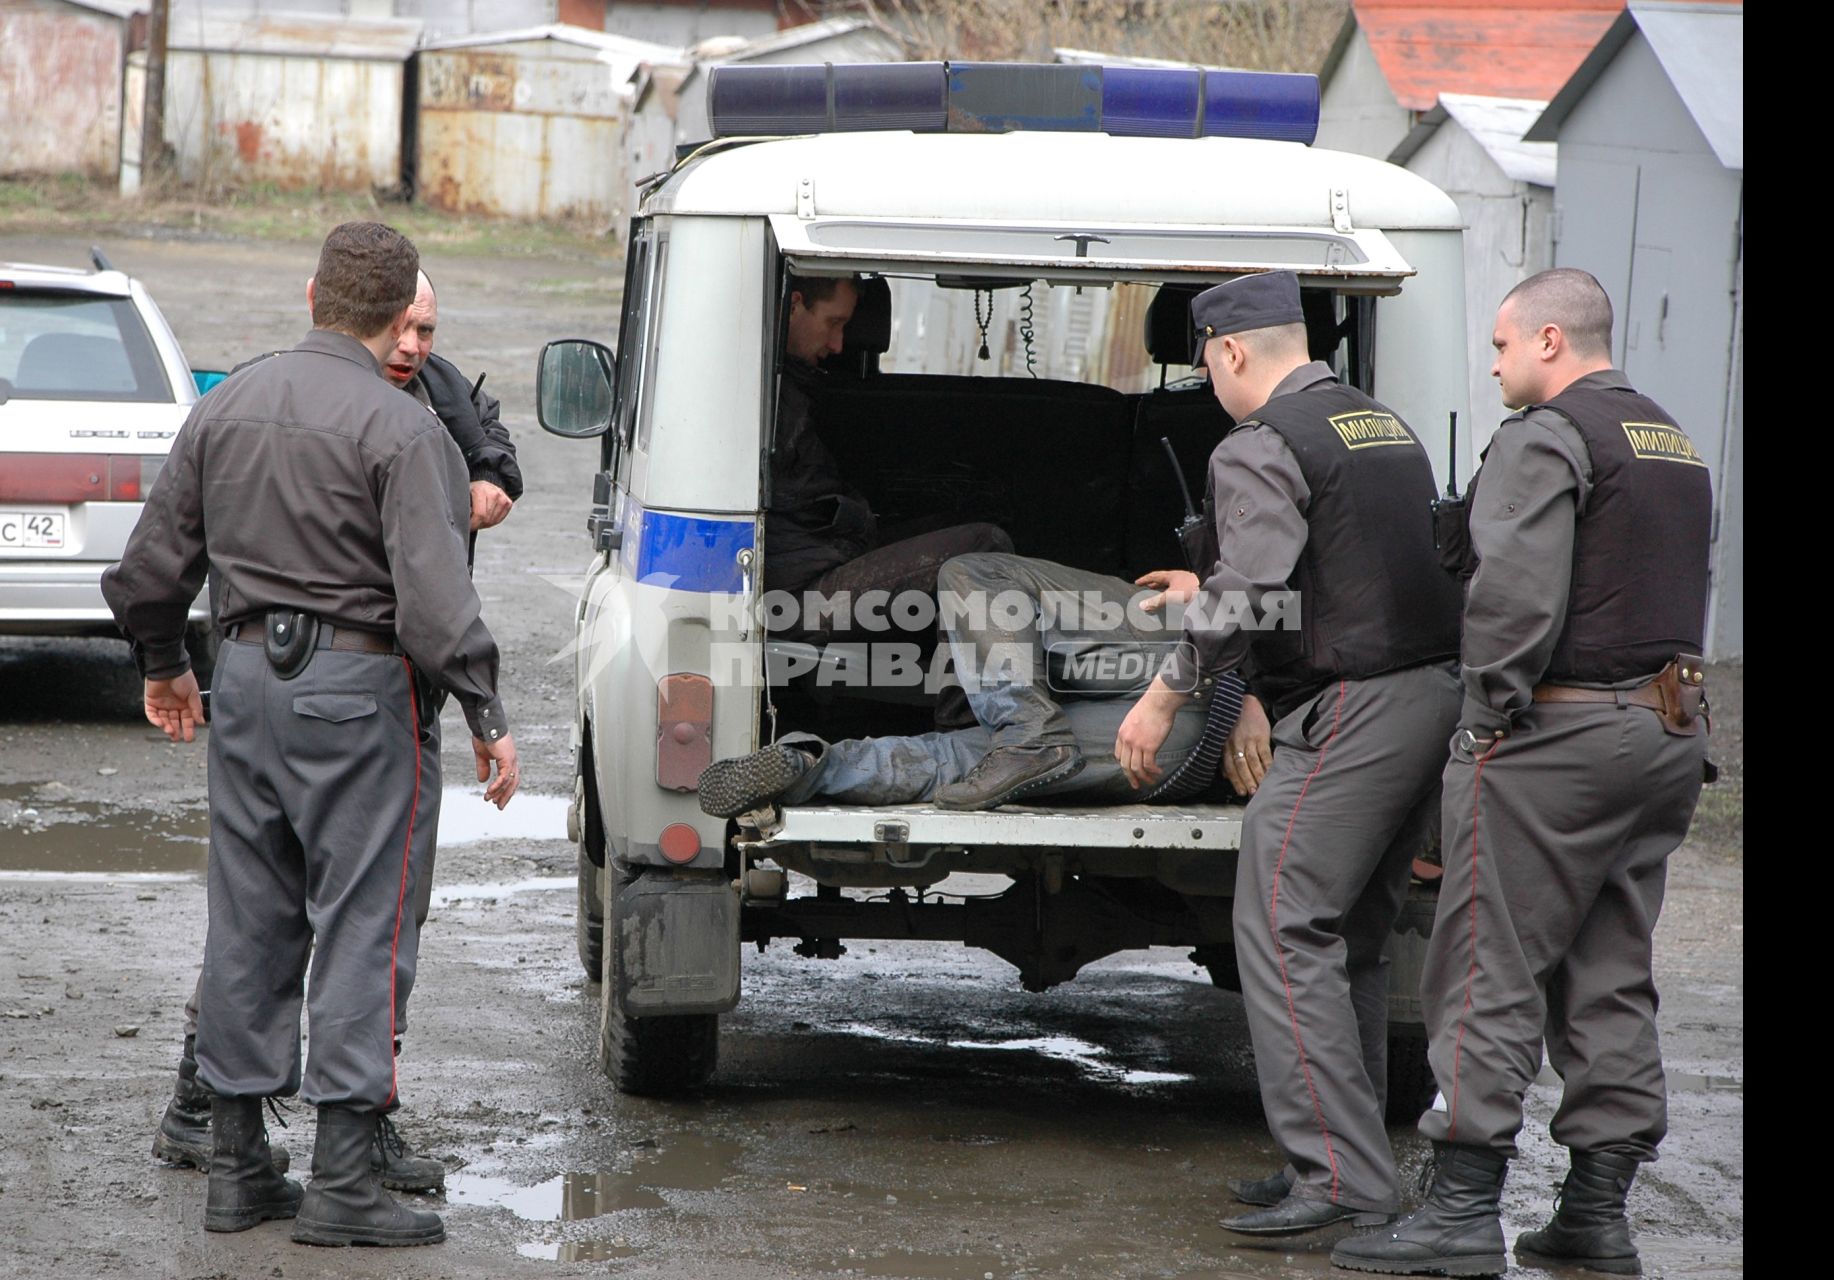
400	1168
1457	1232
345	1202
1265	1192
245	1189
1589	1227
1006	773
183	1138
728	788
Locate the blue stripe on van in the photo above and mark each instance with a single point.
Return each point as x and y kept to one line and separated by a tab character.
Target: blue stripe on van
684	553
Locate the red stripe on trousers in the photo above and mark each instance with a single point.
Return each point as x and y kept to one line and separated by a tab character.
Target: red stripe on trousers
401	896
1273	908
1458	1045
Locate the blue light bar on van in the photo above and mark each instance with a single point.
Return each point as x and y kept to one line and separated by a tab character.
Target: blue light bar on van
1006	97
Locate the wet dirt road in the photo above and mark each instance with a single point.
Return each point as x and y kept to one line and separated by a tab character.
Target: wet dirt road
904	1111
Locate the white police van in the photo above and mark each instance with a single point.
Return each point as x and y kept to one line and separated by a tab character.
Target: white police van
937	183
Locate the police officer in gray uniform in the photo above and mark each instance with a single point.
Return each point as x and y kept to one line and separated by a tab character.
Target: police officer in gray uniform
1326	584
334	510
1573	776
472	418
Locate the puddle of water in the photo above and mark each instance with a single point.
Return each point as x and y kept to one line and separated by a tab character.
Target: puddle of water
1678	1081
465	817
576	1251
570	1197
692	1164
64	836
446	895
60	834
1688	1259
1092	1058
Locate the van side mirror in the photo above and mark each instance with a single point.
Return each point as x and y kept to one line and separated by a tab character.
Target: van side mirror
574	388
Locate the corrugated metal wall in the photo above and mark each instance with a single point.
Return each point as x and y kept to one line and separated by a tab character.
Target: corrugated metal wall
297	122
532	129
60	88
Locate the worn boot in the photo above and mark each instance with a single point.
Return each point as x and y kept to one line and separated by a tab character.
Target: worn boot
1006	773
400	1168
184	1131
1266	1192
1589	1227
730	787
1457	1232
245	1189
345	1202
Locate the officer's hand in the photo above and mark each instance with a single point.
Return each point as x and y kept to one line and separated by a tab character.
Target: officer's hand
1144	731
1250	748
503	751
1176	586
489	505
175	707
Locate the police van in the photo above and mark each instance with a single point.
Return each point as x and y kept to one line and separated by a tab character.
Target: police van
1087	205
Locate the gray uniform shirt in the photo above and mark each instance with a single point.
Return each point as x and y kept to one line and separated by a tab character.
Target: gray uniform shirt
1261	499
1536	479
317	486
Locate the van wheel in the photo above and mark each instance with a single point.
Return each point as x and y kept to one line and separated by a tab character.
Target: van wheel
202	642
588	831
659	1057
650	1057
1411	1086
589	921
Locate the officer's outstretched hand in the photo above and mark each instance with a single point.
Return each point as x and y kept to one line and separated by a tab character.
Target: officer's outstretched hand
1175	586
175	707
503	751
1250	748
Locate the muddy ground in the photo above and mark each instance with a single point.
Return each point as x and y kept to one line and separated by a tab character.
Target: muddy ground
904	1111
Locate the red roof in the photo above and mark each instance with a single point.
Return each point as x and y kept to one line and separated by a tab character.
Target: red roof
1527	49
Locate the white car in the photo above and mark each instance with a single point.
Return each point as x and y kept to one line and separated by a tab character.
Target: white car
93	388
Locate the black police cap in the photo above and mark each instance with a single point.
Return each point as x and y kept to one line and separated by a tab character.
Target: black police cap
1263	301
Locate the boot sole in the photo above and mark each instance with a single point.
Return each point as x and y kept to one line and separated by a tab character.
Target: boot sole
1485	1264
731	787
416	1186
242	1220
1610	1266
1359	1219
337	1237
180	1155
1011	794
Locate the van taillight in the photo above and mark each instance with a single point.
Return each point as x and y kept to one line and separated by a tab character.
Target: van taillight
684	730
77	477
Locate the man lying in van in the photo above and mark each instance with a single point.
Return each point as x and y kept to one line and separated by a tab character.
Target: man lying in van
1055	654
821	534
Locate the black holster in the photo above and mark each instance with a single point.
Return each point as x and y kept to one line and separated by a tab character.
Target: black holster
291	637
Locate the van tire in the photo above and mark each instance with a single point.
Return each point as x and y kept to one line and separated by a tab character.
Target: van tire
589	921
660	1057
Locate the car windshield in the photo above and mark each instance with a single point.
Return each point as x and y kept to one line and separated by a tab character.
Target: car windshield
76	346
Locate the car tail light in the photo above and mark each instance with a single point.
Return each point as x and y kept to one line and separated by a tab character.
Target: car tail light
679	842
684	731
77	477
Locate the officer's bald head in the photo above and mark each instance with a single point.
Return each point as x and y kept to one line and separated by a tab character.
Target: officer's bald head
1568	298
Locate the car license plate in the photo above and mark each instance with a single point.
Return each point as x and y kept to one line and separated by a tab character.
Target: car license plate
31	530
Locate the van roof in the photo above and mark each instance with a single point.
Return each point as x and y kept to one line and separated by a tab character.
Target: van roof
1056	177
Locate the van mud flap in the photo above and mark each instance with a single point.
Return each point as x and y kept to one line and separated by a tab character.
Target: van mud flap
677	942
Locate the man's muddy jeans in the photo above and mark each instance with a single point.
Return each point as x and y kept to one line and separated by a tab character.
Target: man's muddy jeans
875	771
1032	632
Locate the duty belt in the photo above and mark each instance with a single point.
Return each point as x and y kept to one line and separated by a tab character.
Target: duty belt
1675	694
347	639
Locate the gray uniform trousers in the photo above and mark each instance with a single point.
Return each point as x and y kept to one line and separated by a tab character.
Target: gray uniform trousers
1327	844
1556	857
908	770
426	830
313	796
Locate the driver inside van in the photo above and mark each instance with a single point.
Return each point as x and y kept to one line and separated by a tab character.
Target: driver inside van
820	534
